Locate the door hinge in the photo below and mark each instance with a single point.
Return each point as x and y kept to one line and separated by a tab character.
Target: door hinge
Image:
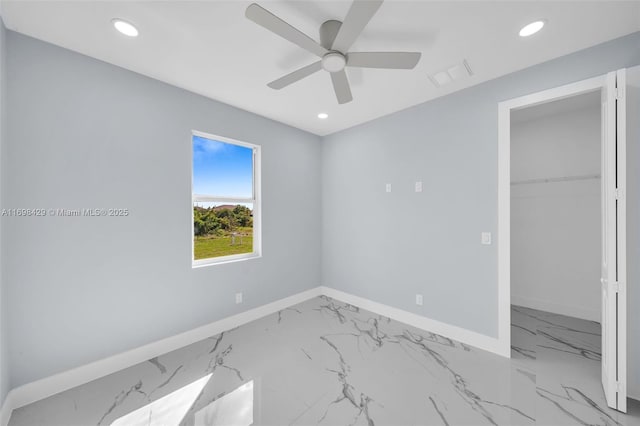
620	388
619	93
619	194
617	285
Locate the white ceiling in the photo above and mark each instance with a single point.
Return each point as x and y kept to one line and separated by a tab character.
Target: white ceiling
210	48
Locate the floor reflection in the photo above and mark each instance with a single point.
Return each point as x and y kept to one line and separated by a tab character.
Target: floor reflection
169	410
233	409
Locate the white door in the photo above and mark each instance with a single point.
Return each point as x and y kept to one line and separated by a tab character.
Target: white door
613	277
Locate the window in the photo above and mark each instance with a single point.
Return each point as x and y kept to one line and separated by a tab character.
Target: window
226	199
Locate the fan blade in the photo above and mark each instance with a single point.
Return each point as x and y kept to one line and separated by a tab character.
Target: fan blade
295	76
392	60
357	18
341	87
268	20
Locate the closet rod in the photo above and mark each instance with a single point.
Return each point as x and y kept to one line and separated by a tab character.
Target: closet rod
556	179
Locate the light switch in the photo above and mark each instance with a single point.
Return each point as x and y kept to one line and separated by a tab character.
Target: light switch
485	238
388	187
418	186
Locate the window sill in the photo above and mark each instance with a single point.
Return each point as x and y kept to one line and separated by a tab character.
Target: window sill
225	259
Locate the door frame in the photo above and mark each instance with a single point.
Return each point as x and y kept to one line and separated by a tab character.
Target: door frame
504	189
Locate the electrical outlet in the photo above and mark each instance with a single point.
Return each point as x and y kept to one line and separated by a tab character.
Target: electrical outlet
419	299
388	187
418	187
238	298
485	238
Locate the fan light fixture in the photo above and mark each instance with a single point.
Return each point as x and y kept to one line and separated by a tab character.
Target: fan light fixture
125	27
323	116
334	62
531	28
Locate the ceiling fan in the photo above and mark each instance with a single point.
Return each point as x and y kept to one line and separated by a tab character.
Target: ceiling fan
335	40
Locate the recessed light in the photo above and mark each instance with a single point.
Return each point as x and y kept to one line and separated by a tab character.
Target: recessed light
531	28
125	27
323	115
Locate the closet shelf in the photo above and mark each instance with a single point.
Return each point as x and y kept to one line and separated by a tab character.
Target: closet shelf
556	179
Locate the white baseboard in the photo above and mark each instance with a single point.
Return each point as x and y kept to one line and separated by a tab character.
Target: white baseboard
6	409
480	341
43	388
556	308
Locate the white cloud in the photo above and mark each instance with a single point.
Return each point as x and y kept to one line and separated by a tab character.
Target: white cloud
207	146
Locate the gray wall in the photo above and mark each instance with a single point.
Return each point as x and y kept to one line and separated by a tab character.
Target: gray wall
83	133
4	330
555	226
389	246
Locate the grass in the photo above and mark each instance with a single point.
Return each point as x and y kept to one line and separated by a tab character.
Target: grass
206	247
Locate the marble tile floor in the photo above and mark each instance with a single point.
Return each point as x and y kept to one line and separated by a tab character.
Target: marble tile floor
324	362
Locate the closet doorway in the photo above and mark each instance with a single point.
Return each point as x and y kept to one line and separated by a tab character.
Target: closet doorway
562	233
555	207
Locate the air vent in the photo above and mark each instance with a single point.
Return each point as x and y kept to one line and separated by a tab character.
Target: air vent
450	74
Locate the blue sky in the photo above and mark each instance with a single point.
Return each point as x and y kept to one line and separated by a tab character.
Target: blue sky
221	169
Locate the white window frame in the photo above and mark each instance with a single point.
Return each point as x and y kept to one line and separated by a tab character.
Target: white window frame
256	200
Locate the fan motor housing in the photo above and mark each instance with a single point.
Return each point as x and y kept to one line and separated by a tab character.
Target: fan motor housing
328	32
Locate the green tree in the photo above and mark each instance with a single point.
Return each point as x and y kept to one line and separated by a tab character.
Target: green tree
205	221
242	216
